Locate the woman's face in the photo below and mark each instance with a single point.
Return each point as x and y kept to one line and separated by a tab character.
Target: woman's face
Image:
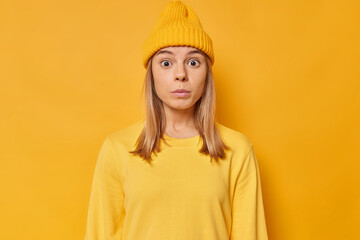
175	68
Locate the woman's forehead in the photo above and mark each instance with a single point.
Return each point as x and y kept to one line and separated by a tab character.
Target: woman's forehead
179	49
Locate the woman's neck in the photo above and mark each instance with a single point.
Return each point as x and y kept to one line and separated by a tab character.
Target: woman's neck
180	122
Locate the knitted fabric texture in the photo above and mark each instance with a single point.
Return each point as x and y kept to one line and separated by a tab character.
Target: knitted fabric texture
178	25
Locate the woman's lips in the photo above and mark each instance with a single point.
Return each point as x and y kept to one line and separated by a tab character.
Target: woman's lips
181	94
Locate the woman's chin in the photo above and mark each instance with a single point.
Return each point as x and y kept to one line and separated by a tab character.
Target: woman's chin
180	106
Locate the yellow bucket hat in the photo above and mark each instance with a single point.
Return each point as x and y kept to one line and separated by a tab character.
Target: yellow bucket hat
178	25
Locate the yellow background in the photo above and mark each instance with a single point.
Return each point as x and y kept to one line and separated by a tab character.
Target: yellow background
287	76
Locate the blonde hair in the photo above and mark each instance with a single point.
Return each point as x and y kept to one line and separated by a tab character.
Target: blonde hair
148	142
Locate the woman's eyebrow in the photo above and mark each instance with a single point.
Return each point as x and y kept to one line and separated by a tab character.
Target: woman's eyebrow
164	51
195	51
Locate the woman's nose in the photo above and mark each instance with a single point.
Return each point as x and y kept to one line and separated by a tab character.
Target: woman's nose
181	74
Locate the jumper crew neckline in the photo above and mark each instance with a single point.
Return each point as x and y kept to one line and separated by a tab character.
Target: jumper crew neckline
183	142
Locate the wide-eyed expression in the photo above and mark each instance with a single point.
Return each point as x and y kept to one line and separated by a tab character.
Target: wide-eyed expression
179	75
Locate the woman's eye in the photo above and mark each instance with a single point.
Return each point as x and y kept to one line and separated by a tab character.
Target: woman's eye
193	62
167	63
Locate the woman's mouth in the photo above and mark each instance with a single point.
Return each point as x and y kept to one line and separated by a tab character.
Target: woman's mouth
181	92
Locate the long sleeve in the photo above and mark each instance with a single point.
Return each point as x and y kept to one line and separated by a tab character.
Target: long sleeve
248	217
106	212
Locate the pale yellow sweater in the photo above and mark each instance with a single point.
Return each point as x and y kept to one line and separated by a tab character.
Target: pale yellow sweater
180	196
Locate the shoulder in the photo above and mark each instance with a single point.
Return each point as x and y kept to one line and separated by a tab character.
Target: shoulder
236	140
127	136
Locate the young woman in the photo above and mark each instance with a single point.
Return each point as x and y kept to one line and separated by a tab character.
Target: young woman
177	174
